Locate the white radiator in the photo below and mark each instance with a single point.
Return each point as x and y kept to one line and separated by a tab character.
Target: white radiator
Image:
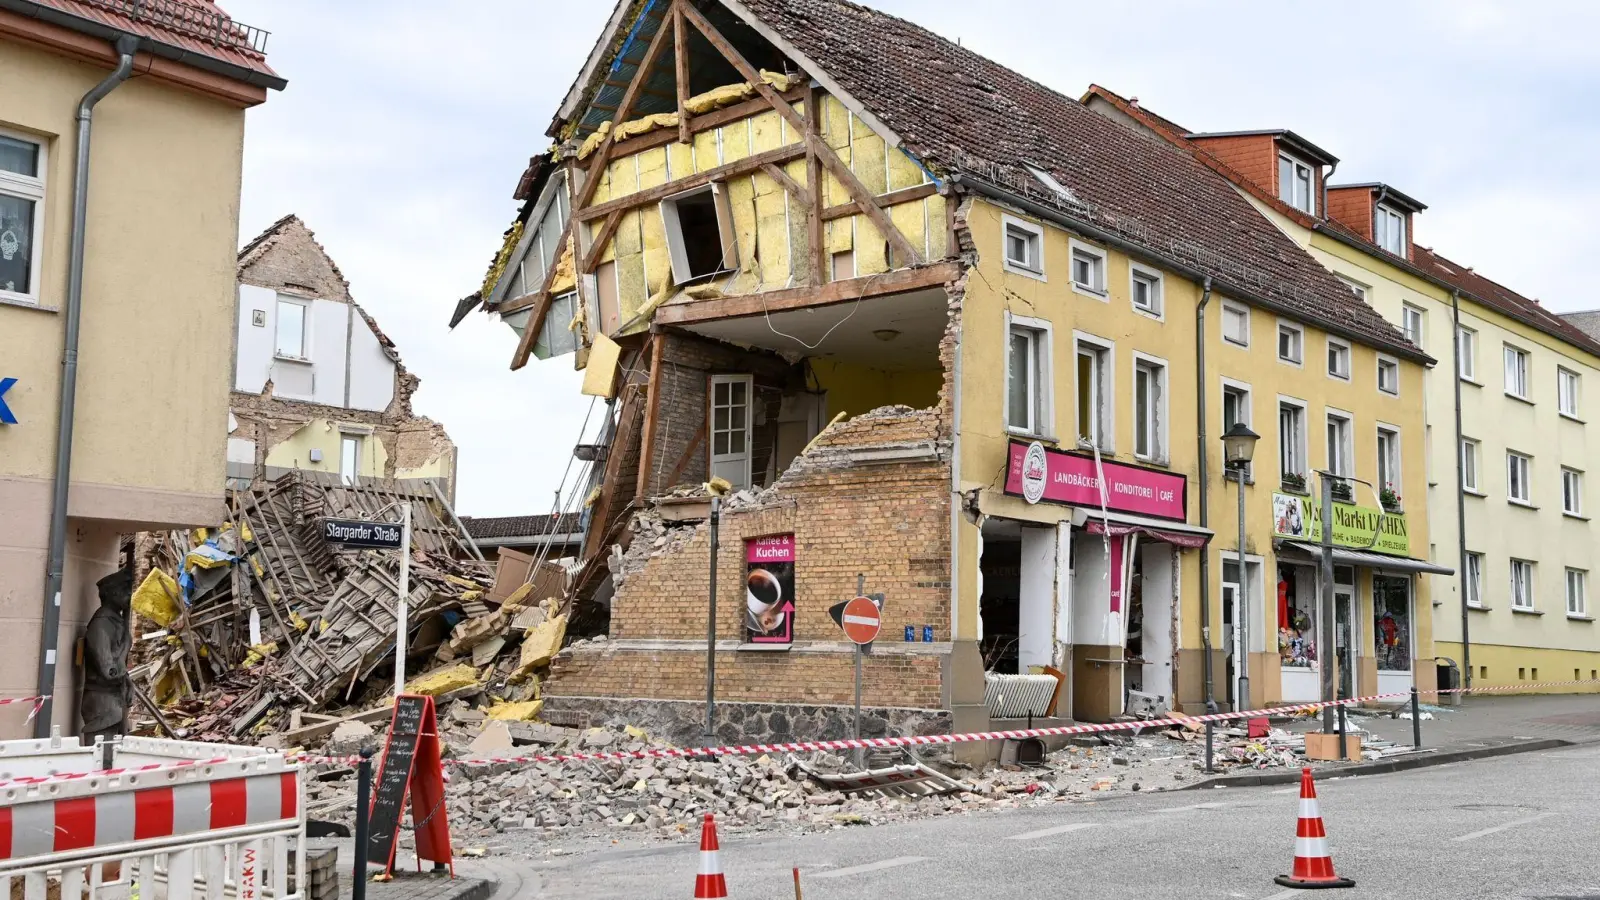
1014	696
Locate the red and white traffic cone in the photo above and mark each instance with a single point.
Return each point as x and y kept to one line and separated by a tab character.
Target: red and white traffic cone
709	883
1313	864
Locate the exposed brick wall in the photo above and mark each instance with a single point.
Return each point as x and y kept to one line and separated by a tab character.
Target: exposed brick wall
681	451
1254	156
887	679
887	521
1352	208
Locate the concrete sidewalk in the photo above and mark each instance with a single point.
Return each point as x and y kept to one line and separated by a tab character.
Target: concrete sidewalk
1482	726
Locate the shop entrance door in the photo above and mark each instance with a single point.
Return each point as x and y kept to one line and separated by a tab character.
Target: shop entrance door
1344	599
1230	639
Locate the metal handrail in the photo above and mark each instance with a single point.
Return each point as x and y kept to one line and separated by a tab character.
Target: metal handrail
189	19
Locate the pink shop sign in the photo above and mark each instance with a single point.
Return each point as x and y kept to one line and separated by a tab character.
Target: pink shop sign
1070	478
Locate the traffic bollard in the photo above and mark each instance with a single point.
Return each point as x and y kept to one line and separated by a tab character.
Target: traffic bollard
358	876
1209	767
1416	720
1342	741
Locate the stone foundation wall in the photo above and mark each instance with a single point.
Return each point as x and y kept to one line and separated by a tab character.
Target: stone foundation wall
683	722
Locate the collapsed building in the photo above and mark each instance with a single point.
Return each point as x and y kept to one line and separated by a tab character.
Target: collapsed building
317	385
868	286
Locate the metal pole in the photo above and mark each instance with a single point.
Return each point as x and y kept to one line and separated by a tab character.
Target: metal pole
1201	495
400	625
711	629
1244	605
1210	730
1325	652
861	756
1416	719
1342	741
358	874
1461	503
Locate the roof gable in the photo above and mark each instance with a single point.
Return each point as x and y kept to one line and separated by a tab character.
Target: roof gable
963	113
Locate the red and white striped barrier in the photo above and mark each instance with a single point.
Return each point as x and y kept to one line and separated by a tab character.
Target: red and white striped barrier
108	818
38	704
188	821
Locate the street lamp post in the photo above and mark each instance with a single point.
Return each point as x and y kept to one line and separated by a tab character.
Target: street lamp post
1238	448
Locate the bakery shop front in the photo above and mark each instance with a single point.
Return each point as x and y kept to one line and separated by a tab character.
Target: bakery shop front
1099	594
1381	642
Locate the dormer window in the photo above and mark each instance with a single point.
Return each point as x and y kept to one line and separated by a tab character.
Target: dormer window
1389	228
1294	184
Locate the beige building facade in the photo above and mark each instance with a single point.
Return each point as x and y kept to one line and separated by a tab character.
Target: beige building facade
156	319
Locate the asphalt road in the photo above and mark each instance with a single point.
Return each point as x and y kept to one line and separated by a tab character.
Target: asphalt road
1524	826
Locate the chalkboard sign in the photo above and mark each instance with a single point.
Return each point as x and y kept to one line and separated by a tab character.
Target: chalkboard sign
394	776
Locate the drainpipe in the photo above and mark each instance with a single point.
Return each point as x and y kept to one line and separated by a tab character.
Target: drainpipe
49	639
1205	555
1325	179
1461	501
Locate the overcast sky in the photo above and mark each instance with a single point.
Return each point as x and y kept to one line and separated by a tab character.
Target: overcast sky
406	124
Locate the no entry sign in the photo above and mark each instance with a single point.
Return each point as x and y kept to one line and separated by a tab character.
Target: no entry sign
861	620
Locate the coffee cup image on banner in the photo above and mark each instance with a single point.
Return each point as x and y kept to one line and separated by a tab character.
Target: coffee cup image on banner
769	590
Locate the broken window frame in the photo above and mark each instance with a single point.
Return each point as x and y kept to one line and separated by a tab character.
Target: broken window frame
1149	408
557	322
672	225
350	447
1093	400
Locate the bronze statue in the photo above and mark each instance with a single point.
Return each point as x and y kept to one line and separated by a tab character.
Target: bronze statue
107	689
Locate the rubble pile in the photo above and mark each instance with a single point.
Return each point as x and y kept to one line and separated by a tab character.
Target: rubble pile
261	616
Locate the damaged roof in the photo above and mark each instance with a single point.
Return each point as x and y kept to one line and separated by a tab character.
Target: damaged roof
291	228
962	112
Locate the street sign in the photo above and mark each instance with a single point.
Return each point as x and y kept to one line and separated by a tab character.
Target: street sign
356	533
861	620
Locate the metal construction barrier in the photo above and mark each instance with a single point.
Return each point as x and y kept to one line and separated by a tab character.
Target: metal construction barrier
165	819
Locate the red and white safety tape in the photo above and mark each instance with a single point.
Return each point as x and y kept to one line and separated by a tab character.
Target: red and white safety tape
38	704
1520	686
112	773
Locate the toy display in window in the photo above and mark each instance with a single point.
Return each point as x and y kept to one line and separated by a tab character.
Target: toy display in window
1297	642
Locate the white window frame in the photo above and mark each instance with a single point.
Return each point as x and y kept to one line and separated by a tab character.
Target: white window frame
1471	459
1301	451
1512	458
1049	181
1041	399
32	189
1152	277
1105	377
1347	355
1522	588
1474	587
1579	609
1098	269
1243	312
346	439
1299	332
305	328
1572	492
1034	267
1340	460
1569	392
1389	229
1393	365
748	453
1467	338
1397	454
727	232
1356	287
1156	419
1248	399
1295	166
1418	335
1525	375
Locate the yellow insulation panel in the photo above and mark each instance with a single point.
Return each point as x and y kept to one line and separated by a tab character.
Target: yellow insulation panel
835	123
680	160
735	141
908	218
765	133
706	152
867	159
938	227
772	232
838	236
652	168
741	201
903	172
870	247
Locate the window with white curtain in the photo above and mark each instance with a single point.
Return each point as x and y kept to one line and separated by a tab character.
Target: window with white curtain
22	194
1389	228
1516	372
1521	584
1518	490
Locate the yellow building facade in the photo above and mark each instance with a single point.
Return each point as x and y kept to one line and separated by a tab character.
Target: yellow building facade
154	352
1129	368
